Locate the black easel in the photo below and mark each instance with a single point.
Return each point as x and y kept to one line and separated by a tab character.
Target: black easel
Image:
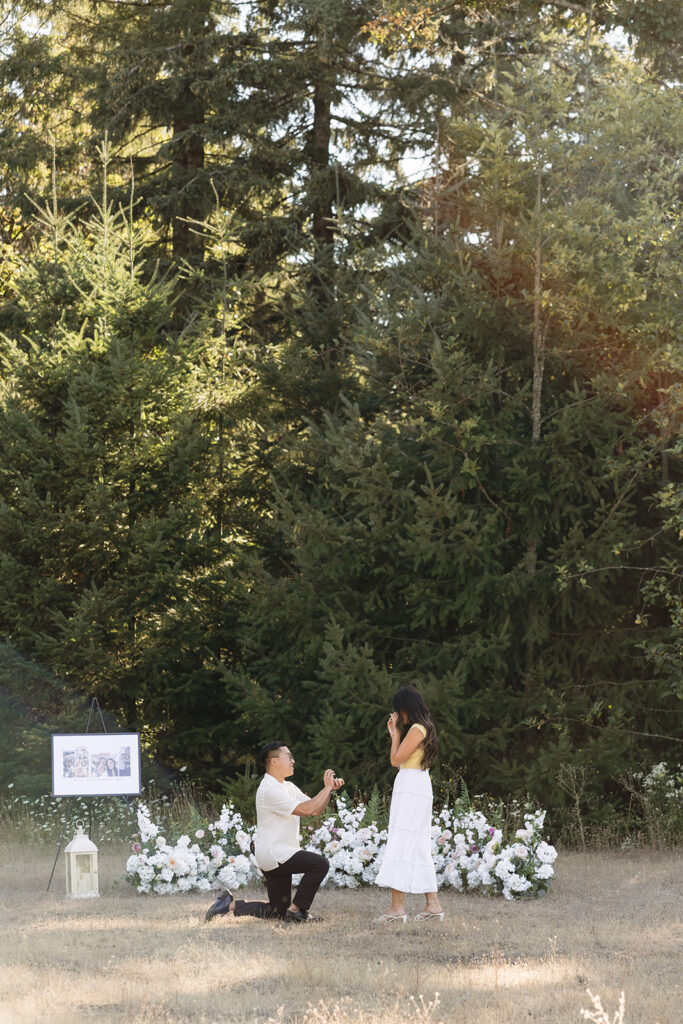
94	706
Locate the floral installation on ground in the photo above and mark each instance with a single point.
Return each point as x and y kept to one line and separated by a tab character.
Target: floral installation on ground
470	854
215	857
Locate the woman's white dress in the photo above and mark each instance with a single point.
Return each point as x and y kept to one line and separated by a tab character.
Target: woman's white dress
407	864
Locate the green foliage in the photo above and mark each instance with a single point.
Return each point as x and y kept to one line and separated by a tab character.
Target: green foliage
298	428
376	809
240	791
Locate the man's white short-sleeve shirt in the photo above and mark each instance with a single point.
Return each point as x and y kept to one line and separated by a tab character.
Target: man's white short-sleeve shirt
277	829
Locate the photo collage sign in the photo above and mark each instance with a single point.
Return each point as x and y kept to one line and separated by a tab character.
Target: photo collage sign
96	764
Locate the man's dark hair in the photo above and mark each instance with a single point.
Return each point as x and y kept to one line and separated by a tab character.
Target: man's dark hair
268	749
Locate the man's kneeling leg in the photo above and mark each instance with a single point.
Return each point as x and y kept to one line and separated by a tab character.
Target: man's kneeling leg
314	868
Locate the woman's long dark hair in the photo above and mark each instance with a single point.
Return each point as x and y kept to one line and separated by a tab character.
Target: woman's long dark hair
411	701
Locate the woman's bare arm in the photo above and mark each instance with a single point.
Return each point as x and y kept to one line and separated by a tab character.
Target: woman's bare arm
401	749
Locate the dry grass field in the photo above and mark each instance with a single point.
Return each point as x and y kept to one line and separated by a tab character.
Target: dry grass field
612	922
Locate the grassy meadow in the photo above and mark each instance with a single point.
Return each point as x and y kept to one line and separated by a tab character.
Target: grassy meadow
612	922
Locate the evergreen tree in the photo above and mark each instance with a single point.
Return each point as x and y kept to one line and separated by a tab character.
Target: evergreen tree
106	571
368	429
476	520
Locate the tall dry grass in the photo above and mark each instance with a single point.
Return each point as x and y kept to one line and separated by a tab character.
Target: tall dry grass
611	923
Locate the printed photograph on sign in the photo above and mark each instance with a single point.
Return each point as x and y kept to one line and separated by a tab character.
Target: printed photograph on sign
96	764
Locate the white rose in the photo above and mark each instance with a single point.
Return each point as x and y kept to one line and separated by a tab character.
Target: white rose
546	854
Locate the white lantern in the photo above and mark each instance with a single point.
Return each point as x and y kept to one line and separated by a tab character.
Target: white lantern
81	866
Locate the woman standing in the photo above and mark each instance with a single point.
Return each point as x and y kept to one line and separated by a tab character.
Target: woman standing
407	865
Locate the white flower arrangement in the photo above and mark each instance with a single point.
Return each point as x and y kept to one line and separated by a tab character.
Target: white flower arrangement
216	859
469	854
353	849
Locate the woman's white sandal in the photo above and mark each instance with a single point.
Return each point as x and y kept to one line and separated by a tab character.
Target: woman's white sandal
427	915
391	917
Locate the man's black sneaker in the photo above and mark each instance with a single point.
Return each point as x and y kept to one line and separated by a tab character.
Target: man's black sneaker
221	906
299	916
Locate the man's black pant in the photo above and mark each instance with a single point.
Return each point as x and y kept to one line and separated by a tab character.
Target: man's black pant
279	886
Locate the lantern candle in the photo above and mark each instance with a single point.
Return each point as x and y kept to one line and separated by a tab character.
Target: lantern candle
81	866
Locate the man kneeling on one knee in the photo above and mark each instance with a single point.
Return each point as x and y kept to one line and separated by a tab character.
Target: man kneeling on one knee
279	806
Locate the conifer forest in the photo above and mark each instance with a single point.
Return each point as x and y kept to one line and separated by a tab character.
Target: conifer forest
340	350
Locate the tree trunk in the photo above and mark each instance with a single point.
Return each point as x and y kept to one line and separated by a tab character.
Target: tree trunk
188	162
319	166
538	343
540	328
187	148
323	281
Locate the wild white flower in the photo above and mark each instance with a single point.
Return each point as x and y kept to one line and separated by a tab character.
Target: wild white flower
147	829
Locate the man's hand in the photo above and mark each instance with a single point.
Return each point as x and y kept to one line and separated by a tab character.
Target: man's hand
317	804
330	781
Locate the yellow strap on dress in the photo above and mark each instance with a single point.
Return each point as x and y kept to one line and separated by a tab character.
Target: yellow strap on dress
415	759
